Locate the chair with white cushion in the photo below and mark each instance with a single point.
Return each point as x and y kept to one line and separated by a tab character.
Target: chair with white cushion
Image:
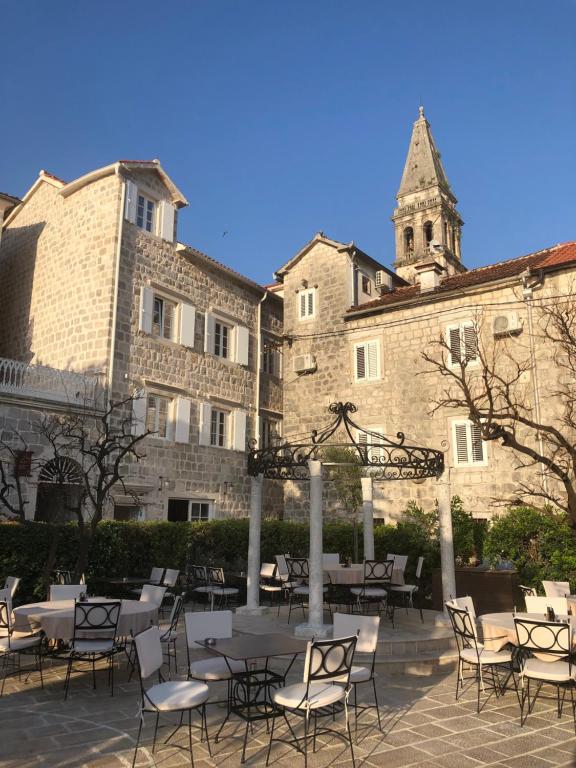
169	633
541	604
156	576
556	588
473	653
167	697
16	644
198	584
201	625
528	591
546	658
152	594
94	639
220	593
464	603
367	628
407	591
330	559
323	692
270	584
66	591
400	563
11	584
374	589
298	576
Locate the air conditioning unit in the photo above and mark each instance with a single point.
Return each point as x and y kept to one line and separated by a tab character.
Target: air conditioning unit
508	323
383	281
304	363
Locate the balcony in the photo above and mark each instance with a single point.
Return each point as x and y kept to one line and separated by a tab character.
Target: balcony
39	382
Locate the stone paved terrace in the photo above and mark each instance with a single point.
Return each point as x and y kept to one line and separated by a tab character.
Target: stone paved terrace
423	725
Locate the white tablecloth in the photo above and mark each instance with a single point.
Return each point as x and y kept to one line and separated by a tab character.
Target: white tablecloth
498	629
56	617
355	574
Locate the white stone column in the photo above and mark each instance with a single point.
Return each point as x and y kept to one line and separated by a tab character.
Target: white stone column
315	626
368	520
253	577
446	538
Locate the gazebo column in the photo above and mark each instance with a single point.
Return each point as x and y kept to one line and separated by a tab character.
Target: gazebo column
315	626
446	538
368	522
253	577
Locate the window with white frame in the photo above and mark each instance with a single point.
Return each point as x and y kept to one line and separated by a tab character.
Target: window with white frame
270	359
146	213
222	427
226	340
367	361
468	446
365	284
462	341
270	432
154	216
307	303
165	415
189	510
372	438
166	317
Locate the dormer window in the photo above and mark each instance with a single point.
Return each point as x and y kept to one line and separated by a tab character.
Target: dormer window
145	213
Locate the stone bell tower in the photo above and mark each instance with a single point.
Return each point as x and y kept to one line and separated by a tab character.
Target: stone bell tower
427	224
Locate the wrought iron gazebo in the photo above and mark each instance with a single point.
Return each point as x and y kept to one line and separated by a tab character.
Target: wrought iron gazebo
386	459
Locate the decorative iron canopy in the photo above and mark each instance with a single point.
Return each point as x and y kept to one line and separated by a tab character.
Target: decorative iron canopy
385	459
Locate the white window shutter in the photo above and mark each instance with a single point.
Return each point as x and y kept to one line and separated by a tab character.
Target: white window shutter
146	309
302	305
167	221
361	362
208	333
454	344
187	324
461	443
470	342
239	431
311	298
372	349
182	420
139	404
205	413
131	201
477	444
242	339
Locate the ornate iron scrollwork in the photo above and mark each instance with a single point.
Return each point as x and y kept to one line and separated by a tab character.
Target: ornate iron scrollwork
385	459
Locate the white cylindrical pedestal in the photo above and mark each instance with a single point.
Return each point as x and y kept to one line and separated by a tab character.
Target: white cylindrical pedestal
253	579
446	538
368	517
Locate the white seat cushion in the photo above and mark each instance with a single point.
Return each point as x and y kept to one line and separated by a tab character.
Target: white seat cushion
215	668
369	591
404	588
319	695
555	671
175	695
486	657
306	590
357	675
204	590
93	646
224	590
270	588
19	643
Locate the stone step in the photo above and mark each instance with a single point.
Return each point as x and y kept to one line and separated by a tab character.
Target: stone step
423	664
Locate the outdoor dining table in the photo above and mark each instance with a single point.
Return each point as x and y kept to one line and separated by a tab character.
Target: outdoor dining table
354	574
56	617
251	689
498	628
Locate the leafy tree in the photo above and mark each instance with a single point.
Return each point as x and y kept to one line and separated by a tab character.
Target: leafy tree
346	473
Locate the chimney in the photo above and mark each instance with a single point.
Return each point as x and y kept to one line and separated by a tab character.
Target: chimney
429	275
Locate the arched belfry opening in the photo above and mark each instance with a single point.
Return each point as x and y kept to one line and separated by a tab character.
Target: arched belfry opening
408	241
428	233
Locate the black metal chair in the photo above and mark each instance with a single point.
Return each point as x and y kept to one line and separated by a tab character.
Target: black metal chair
375	587
323	692
473	653
270	583
407	592
545	657
95	627
528	591
169	633
167	697
219	592
12	648
198	584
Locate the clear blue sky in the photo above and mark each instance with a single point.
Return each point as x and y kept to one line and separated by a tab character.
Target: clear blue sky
279	119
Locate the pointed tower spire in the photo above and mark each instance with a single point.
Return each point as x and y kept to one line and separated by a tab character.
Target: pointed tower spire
427	223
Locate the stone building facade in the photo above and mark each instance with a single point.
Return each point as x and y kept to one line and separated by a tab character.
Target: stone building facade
94	280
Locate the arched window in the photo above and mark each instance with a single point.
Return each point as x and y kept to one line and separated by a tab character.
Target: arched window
428	232
446	233
408	241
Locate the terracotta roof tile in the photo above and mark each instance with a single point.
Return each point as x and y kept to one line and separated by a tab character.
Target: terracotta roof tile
557	255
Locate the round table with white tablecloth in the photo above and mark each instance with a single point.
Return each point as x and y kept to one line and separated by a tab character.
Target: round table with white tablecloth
498	629
56	617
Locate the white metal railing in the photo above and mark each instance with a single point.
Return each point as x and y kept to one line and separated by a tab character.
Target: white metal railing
45	383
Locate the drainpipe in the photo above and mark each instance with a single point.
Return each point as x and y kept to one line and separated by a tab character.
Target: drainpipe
116	283
258	371
528	284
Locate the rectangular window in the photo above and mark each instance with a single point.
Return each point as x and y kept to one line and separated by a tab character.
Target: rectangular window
218	427
372	438
366	284
462	342
157	415
145	213
367	361
126	512
184	510
221	340
270	362
469	448
307	303
270	431
163	318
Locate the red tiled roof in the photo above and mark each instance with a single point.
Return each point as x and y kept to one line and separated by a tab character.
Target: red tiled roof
557	255
52	176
